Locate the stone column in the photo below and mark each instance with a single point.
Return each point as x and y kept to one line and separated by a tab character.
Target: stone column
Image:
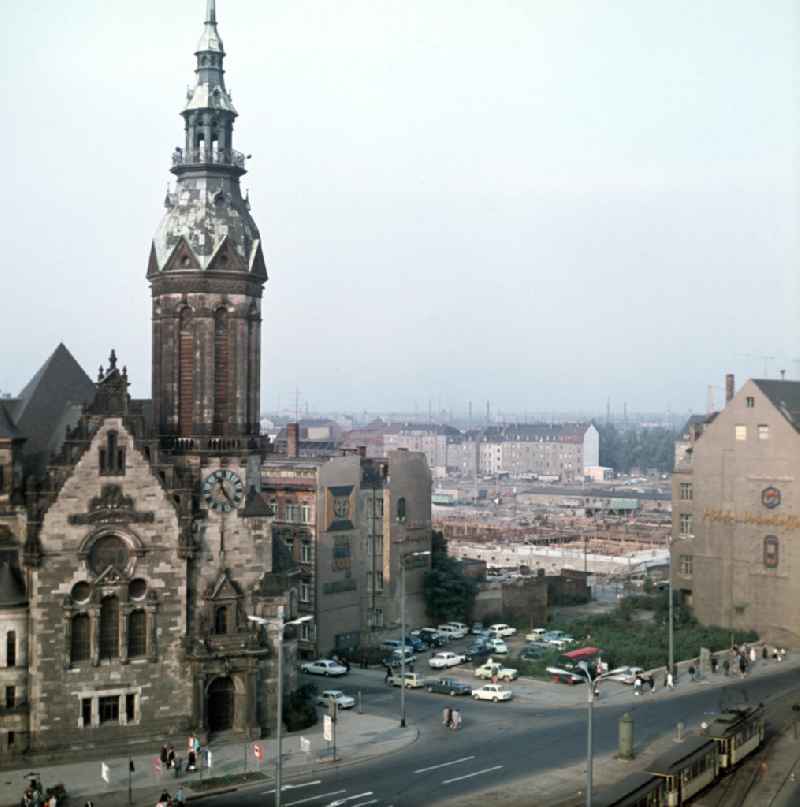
152	645
67	638
94	638
124	614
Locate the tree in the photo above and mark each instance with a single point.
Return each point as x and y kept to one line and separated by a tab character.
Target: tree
449	593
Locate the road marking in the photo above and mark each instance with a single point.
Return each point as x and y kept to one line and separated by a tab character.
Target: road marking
444	764
365	803
339	802
304	784
470	775
314	798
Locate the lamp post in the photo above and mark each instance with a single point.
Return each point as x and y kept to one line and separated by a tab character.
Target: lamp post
281	626
590	682
403	631
671	630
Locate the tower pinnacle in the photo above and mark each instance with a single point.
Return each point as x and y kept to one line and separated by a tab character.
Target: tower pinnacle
211	11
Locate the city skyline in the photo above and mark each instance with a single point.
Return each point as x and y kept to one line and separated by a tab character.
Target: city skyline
416	169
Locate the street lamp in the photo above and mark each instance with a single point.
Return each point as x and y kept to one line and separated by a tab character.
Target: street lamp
403	631
280	627
590	682
671	630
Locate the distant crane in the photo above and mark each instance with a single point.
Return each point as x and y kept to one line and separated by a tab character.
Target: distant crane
765	359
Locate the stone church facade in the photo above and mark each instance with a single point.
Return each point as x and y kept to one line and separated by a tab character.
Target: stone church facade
130	563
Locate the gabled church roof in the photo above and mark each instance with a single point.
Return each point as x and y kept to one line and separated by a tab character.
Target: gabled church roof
39	413
784	396
8	431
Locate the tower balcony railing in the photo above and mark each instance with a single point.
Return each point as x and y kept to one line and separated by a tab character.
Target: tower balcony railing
206	157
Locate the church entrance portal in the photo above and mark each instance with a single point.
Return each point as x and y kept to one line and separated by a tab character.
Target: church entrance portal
220	704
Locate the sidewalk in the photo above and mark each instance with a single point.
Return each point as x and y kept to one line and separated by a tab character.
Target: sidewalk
358	737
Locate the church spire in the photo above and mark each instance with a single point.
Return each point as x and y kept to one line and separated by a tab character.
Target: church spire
211	11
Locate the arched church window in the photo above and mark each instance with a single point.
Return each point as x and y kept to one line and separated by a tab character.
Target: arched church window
110	550
11	649
80	647
220	370
221	620
137	634
109	628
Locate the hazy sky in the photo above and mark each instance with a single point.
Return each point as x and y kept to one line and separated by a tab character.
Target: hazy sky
543	203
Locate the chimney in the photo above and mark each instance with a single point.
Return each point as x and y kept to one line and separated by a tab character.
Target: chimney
292	439
730	388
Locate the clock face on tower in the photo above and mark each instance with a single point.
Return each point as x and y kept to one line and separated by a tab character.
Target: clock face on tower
223	490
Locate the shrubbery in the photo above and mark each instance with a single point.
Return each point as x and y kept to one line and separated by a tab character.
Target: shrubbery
299	711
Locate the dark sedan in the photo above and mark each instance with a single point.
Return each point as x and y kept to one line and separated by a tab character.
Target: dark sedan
448	686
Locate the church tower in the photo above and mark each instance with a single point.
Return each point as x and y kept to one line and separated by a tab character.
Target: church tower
207	274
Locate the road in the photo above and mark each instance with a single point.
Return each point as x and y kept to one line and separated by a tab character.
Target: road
518	743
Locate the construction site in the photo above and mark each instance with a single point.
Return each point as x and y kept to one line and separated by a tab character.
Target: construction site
547	530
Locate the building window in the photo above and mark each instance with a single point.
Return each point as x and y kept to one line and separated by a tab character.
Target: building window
307	631
378	508
751	402
376	582
221	620
86	712
272	507
401	509
11	738
11	649
305	592
130	708
305	552
741	433
763	431
377	618
686	565
292	513
80	649
137	634
109	628
686	491
10	697
341	507
771	551
112	457
305	514
109	709
686	525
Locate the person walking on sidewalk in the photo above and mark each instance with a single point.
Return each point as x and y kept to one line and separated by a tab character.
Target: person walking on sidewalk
752	656
742	665
670	681
180	797
164	756
171	757
651	682
637	685
388	674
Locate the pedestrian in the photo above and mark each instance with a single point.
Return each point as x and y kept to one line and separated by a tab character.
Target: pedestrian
171	757
742	666
714	664
178	767
752	656
726	667
455	721
651	682
447	716
781	654
165	797
637	685
180	797
347	664
191	761
596	691
691	672
775	654
670	681
388	674
164	756
764	653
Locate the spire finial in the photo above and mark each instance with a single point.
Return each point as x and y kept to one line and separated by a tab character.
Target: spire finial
211	11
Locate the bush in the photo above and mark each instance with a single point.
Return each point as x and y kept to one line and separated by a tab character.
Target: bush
299	710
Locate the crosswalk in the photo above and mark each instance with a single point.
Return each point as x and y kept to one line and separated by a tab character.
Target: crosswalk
318	793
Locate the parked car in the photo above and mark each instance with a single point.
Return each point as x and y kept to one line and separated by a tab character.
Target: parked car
461	627
477	628
533	653
431	637
448	686
494	670
500	629
451	632
558	639
535	635
540	646
445	658
342	701
323	666
497	646
396	658
492	692
477	651
416	644
625	675
391	644
413	681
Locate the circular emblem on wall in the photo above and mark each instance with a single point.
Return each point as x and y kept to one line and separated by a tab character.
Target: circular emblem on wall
770	497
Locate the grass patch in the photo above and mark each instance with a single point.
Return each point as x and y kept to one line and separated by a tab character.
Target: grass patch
225	781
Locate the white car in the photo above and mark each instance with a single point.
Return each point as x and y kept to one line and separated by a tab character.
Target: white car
625	675
342	701
451	631
501	629
323	666
445	658
494	670
460	627
535	635
412	680
497	646
492	692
